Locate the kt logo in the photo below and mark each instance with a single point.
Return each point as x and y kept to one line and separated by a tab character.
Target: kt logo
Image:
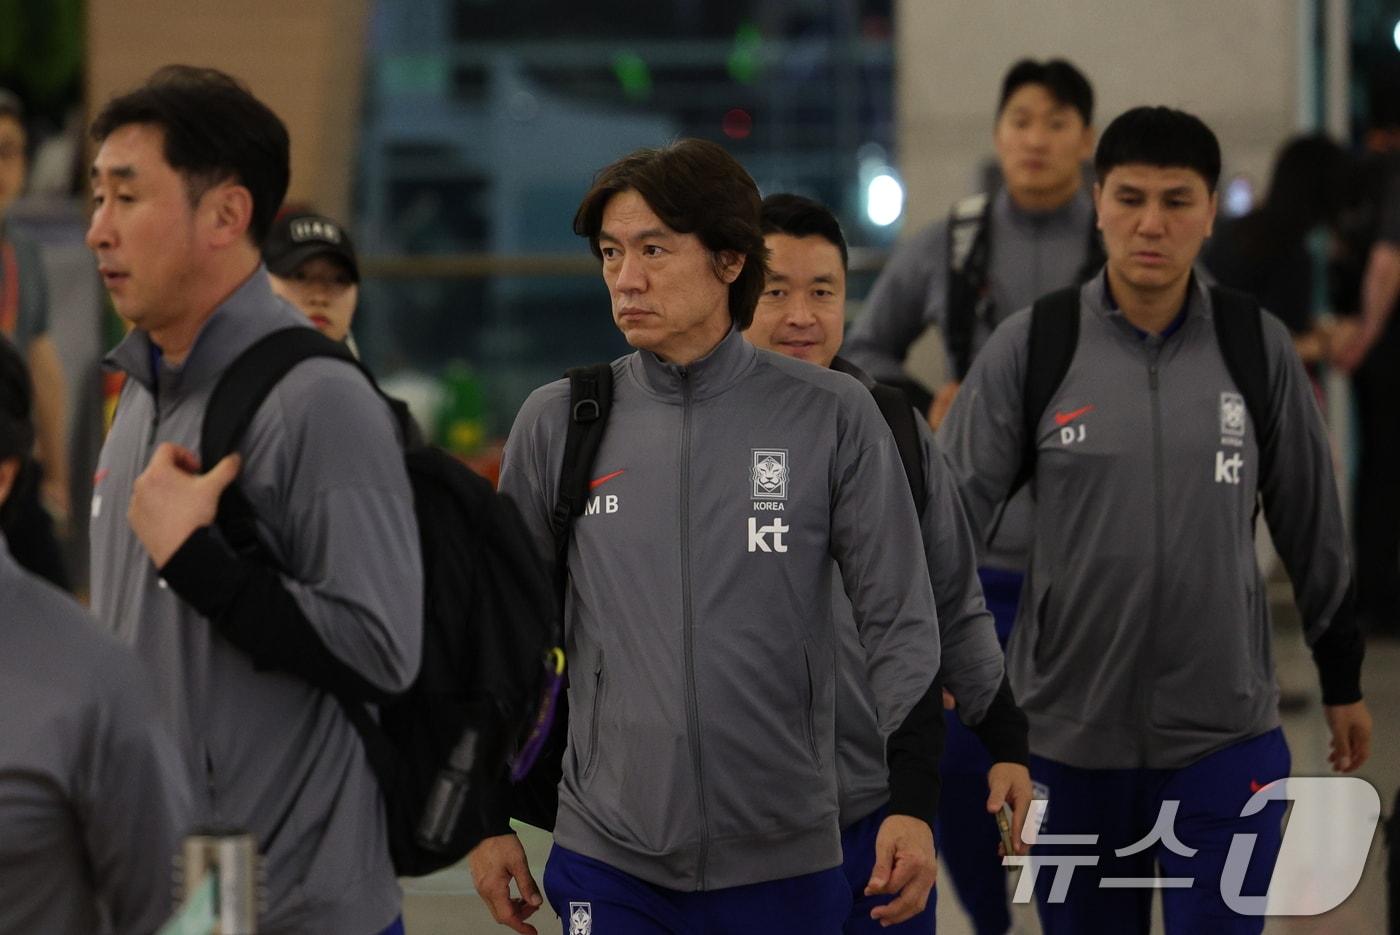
1227	470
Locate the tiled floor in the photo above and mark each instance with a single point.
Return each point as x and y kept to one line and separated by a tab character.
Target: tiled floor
445	904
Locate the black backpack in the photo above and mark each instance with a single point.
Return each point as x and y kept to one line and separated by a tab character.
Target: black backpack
488	621
534	797
969	233
1054	338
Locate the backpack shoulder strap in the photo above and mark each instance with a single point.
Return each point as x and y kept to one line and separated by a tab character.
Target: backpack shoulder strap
246	382
1239	327
900	416
1054	337
969	244
235	400
590	401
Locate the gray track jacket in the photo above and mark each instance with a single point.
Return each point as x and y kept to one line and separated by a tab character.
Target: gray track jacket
970	657
1031	254
265	750
1143	634
93	801
700	626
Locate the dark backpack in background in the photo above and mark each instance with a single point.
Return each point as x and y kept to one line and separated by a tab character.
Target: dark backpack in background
488	621
969	233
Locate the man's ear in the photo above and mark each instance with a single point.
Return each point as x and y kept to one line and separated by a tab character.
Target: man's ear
1098	215
9	470
728	265
228	211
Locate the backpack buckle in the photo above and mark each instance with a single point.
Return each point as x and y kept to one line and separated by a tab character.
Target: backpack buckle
586	410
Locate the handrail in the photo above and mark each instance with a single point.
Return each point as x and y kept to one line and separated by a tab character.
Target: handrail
488	265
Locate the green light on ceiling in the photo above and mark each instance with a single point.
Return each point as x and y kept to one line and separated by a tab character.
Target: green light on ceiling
745	58
634	76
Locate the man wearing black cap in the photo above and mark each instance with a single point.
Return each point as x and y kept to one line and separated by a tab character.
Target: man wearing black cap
312	263
92	795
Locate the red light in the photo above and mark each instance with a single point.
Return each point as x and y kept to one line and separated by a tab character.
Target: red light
737	124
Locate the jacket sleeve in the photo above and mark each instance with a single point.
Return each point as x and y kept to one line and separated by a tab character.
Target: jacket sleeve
875	541
972	662
1305	520
344	605
132	800
906	299
982	436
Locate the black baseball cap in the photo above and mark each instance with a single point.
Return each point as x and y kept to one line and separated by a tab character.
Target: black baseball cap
296	238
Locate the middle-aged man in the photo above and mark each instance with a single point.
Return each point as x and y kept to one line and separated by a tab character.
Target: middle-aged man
996	252
700	789
93	800
802	314
1142	649
188	175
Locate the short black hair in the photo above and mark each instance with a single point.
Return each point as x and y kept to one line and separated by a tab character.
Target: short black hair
1066	84
796	216
16	403
694	187
1161	137
215	130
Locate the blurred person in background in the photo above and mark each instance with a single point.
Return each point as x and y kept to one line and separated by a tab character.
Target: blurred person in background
1265	253
801	314
93	799
996	252
311	262
1367	278
41	501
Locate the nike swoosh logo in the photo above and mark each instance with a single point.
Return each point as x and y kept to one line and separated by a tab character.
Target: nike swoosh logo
1254	785
1065	418
600	481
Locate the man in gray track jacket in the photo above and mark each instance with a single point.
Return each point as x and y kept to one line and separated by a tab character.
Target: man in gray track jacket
994	253
93	800
801	314
699	778
243	653
1142	650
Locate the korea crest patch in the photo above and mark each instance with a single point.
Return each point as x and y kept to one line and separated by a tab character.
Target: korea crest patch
580	919
1232	414
770	473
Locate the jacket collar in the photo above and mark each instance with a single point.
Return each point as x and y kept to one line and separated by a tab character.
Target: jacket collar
708	376
1095	294
252	311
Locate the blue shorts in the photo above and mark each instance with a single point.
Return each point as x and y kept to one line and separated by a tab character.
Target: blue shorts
858	860
593	898
1122	807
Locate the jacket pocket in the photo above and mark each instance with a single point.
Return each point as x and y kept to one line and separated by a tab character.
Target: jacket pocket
592	760
811	709
1042	631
